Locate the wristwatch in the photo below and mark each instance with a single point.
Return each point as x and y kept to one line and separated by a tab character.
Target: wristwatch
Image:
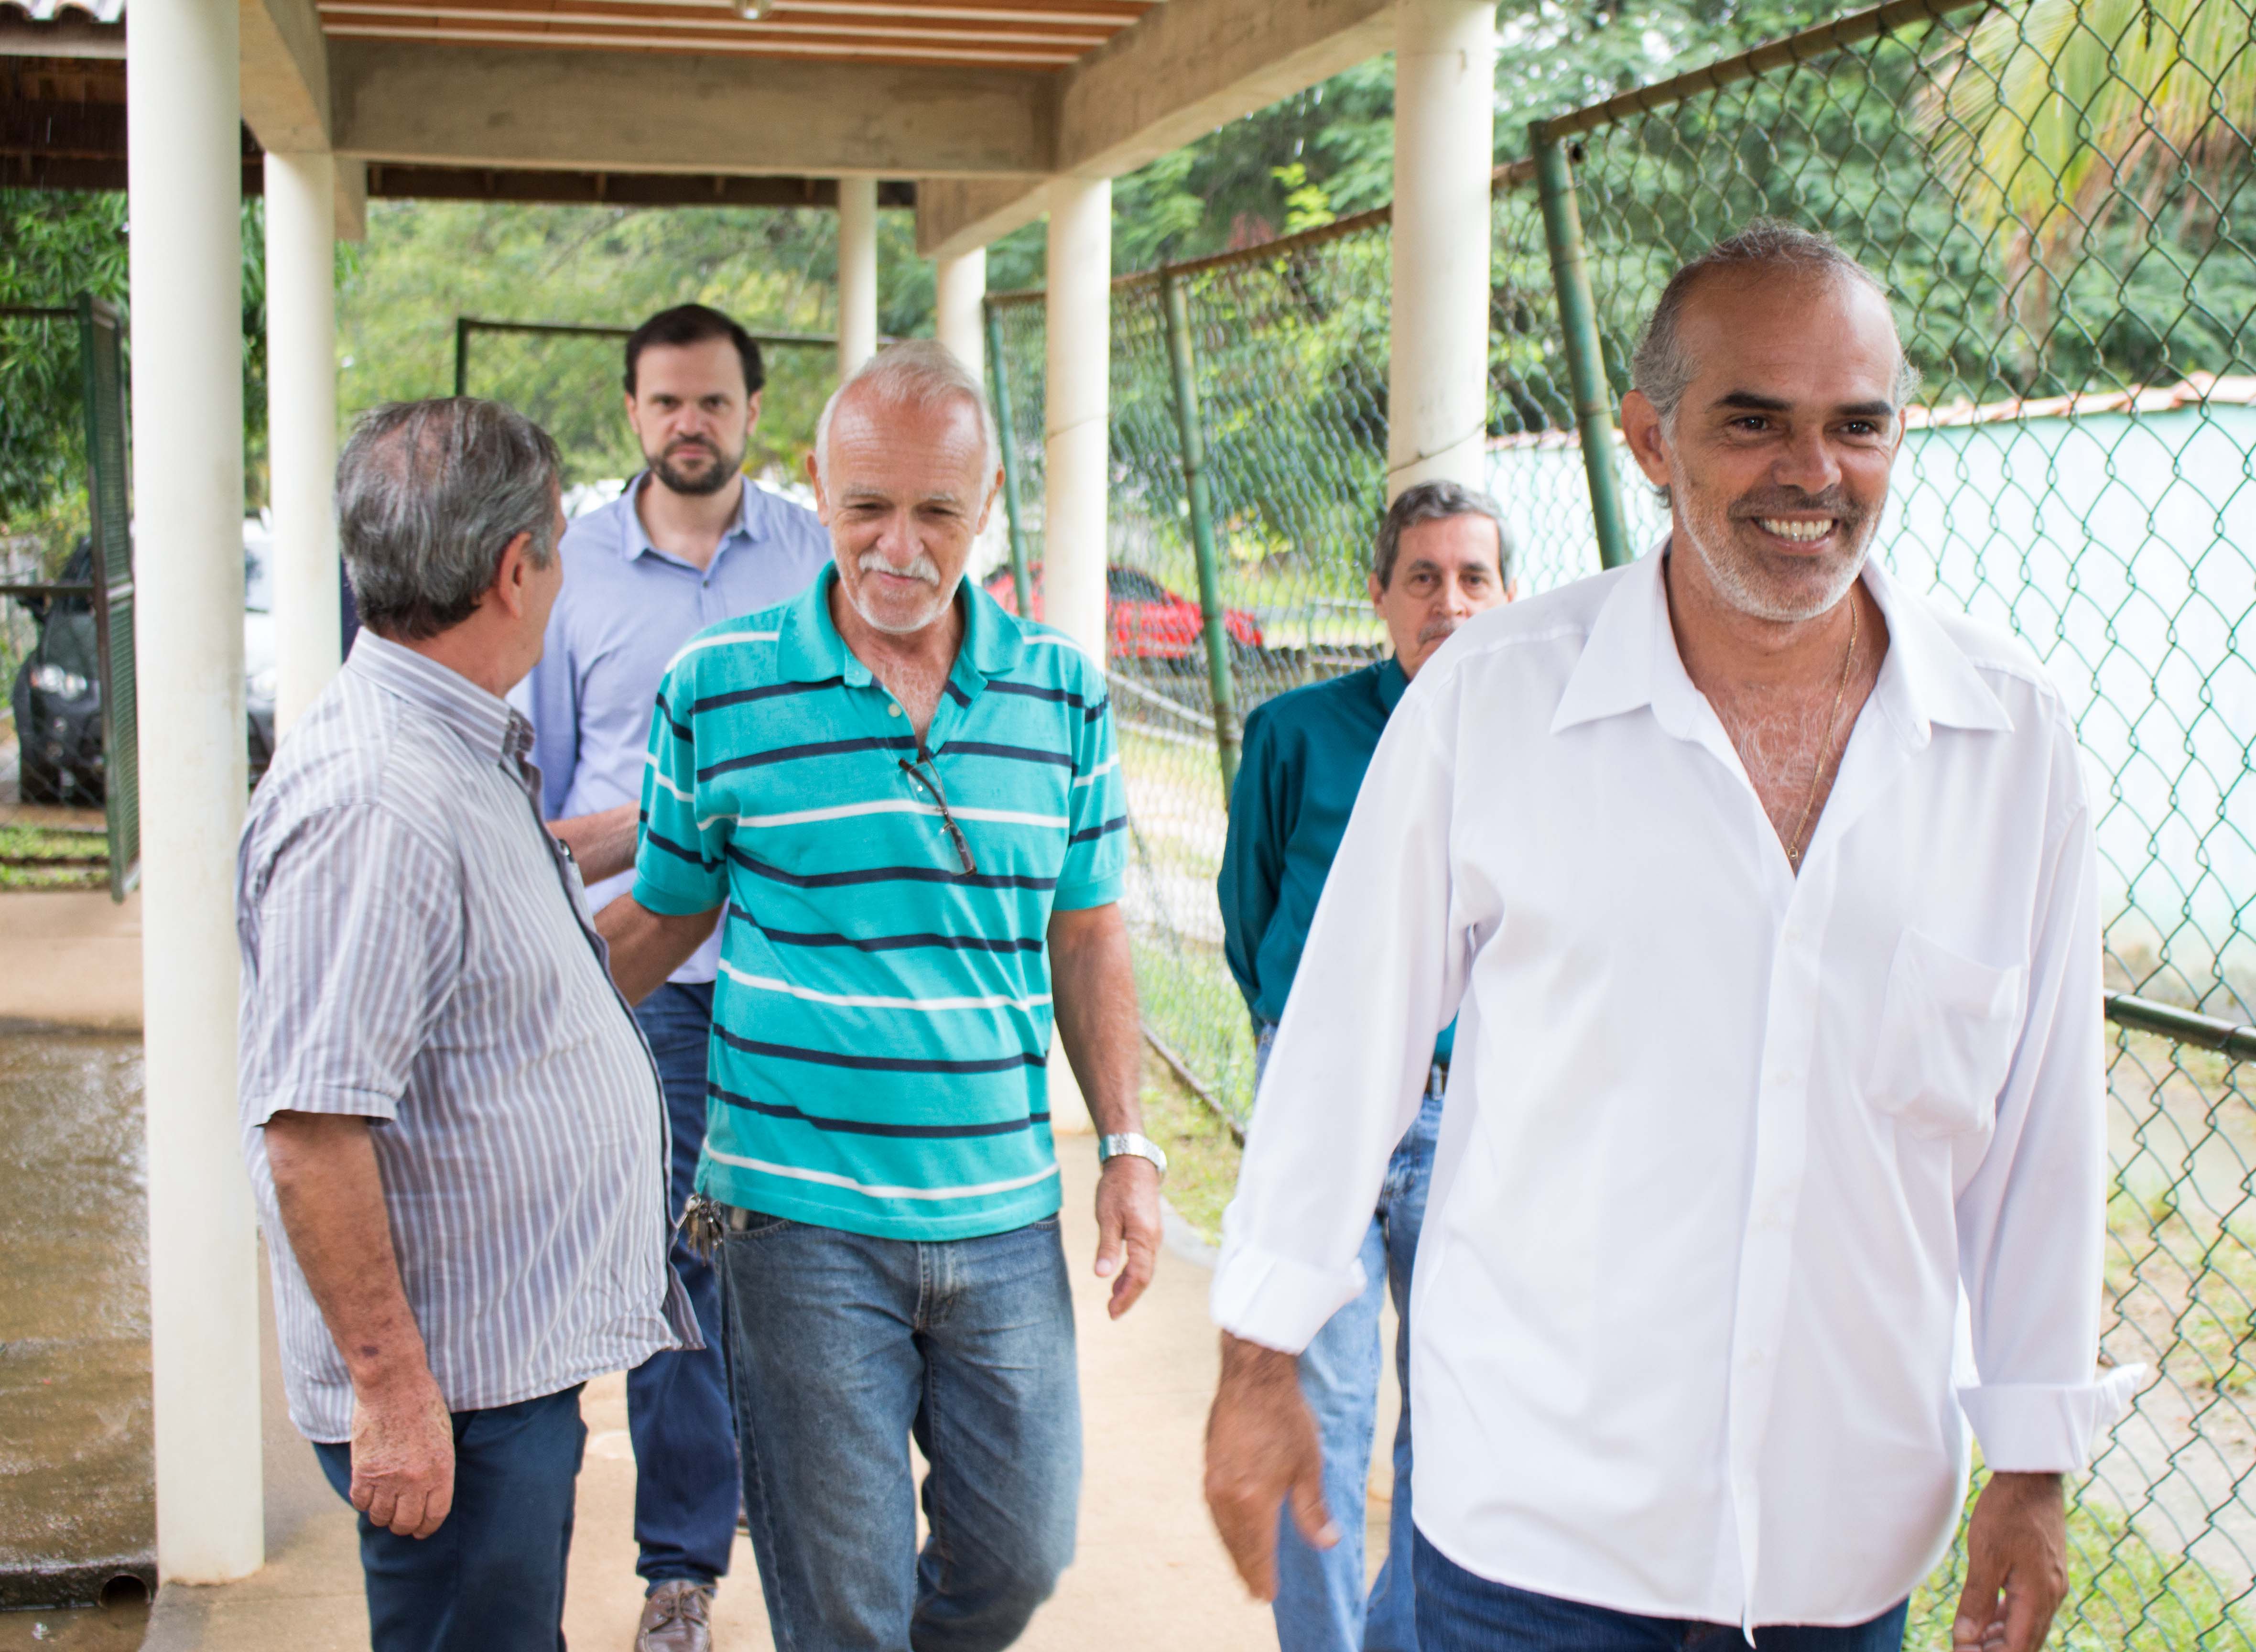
1129	1142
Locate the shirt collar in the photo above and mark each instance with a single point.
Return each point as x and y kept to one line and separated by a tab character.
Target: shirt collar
1629	659
1392	682
634	539
809	649
488	725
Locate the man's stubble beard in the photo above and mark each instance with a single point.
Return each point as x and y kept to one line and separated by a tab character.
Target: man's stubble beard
1785	592
718	476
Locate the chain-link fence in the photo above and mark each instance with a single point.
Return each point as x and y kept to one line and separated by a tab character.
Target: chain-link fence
2056	192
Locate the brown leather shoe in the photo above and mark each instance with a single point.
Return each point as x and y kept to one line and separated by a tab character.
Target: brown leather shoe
677	1617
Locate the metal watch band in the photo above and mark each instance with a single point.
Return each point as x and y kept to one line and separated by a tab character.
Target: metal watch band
1129	1142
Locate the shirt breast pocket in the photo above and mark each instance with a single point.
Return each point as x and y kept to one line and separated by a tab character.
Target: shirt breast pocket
1945	1039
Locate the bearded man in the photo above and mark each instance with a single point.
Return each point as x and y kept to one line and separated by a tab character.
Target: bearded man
912	803
1762	893
690	542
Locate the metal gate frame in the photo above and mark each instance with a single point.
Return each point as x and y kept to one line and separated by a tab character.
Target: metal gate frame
101	379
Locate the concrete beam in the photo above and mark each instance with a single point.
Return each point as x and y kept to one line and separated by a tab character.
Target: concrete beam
460	106
1187	67
957	215
352	198
286	75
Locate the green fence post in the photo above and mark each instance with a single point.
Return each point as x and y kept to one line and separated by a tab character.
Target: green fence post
1000	390
1201	503
102	378
462	355
1578	323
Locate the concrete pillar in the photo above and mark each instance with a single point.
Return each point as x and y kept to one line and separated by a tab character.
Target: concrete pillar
1077	395
857	273
960	323
961	319
302	423
1445	137
184	175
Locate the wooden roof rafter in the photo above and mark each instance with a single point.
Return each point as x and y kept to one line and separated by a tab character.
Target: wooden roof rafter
1025	34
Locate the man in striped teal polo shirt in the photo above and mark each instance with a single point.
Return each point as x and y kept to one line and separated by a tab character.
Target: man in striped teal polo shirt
912	803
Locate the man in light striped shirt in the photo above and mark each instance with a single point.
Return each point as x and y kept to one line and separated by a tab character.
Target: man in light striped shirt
912	803
454	1129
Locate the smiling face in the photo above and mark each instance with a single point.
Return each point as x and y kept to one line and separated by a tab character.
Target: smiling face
692	414
1777	457
899	486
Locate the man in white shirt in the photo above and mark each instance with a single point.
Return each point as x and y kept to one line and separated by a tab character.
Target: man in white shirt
1764	895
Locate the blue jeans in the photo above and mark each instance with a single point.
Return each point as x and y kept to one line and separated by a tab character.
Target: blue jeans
491	1578
1321	1603
843	1346
677	1416
1458	1611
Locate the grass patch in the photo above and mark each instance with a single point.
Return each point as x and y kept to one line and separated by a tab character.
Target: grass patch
35	857
1201	1157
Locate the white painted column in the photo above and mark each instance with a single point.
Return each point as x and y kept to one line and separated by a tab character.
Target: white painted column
960	322
184	177
302	423
1077	395
1075	404
959	319
857	273
1445	137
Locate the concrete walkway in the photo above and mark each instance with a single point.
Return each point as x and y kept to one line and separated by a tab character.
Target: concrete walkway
73	958
1150	1571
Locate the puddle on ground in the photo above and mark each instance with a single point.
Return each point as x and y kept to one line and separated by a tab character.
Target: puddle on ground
76	1504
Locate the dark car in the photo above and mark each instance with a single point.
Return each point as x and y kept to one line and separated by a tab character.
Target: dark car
57	698
57	695
1147	620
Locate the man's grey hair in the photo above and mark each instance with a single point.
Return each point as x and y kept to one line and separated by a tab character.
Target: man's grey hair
916	372
1435	502
429	495
1664	369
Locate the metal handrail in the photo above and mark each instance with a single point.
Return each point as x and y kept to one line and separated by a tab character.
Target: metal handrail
2230	1038
1795	48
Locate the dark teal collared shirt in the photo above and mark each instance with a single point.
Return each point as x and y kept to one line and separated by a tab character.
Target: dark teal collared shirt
1303	762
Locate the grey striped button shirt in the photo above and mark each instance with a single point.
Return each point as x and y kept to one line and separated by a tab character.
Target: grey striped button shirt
418	951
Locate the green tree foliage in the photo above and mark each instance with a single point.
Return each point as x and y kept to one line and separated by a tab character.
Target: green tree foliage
425	263
54	246
2067	124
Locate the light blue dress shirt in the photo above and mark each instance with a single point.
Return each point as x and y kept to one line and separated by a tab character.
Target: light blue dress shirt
625	611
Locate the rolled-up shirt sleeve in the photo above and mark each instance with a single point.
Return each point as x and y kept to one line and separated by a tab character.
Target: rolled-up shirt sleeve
2032	1217
1379	977
359	927
680	864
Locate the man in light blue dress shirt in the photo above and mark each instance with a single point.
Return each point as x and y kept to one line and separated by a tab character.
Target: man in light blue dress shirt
690	543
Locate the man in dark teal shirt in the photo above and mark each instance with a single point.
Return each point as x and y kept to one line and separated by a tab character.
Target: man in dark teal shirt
1442	556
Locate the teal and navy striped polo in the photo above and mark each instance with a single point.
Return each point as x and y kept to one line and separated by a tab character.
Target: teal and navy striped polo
881	1019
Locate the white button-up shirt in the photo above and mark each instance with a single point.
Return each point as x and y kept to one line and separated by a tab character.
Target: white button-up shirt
1722	1145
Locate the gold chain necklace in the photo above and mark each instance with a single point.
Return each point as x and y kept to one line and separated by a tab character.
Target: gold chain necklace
1795	847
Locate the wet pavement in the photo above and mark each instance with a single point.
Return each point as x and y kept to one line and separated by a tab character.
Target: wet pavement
77	1505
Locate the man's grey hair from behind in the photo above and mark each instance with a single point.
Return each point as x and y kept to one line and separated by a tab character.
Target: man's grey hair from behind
1663	369
429	495
916	372
1436	502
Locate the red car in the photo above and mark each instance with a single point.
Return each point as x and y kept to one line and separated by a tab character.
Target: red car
1148	621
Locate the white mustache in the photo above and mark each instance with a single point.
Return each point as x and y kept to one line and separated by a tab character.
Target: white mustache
1438	630
924	568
